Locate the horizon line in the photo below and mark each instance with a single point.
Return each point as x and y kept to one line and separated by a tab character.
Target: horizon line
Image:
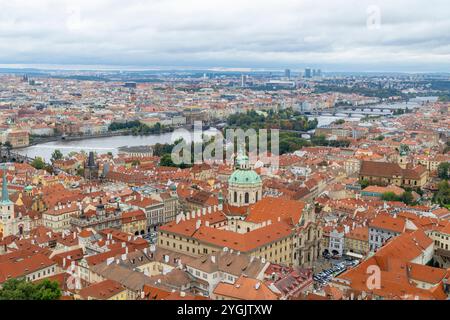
161	68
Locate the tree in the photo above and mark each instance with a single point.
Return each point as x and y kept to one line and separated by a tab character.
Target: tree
80	172
38	163
166	161
8	147
57	155
442	196
319	140
389	196
364	183
340	121
20	289
443	171
407	198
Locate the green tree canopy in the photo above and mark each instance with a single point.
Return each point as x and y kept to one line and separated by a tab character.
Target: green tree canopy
57	155
389	196
20	289
38	163
442	196
407	197
364	183
443	170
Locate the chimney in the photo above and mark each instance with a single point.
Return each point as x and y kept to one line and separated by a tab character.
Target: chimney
199	213
204	211
193	214
142	295
198	224
209	209
207	223
213	259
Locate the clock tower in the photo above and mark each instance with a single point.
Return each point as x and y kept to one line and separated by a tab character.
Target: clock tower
6	209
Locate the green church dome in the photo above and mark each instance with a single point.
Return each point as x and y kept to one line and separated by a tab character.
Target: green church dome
244	177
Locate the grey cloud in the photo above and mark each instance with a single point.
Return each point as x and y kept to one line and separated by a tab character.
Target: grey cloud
250	33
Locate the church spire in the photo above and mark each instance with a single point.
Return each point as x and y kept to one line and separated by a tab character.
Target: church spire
5	194
242	161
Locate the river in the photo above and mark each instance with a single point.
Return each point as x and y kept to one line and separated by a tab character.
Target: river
112	144
102	145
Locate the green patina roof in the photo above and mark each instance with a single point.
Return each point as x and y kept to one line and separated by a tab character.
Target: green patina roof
5	195
244	177
28	188
241	159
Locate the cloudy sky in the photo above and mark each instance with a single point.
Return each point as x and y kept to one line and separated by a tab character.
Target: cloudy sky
336	35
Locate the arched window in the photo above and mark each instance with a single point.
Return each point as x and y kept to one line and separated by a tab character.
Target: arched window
235	196
247	197
257	196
